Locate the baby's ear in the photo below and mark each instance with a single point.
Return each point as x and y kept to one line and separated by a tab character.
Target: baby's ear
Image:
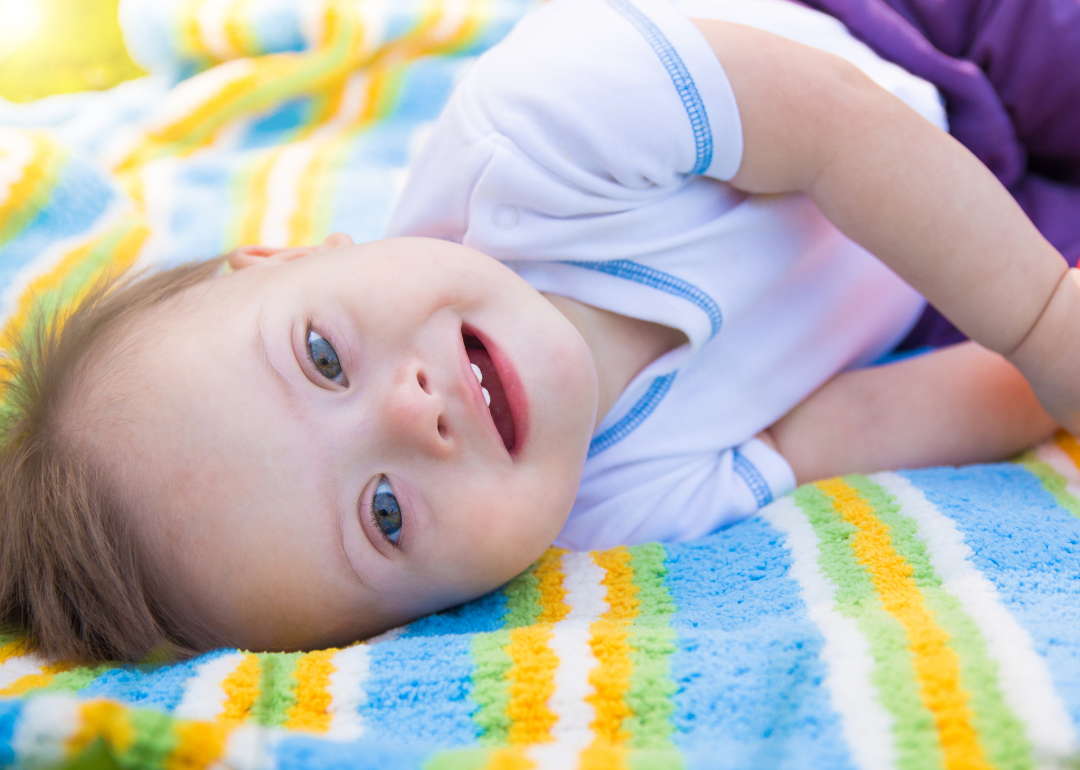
252	256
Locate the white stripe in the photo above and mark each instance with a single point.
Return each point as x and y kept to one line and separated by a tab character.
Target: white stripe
347	695
212	17
866	725
451	21
353	100
191	94
159	199
282	192
16	153
44	728
313	22
249	747
587	598
16	668
387	636
1058	459
204	697
1025	678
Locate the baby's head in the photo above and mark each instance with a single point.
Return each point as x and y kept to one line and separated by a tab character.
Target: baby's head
294	454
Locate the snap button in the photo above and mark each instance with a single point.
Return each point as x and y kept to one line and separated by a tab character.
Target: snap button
504	216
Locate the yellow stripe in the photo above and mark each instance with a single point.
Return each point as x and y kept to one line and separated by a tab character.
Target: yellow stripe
15	649
532	672
302	219
25	684
311	711
549	576
611	676
509	759
188	27
254	204
241	39
241	689
122	256
102	719
1069	446
936	665
198	745
532	683
41	165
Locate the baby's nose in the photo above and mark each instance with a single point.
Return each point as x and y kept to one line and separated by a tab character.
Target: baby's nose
414	413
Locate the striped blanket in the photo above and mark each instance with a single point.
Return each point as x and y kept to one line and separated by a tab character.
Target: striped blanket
913	620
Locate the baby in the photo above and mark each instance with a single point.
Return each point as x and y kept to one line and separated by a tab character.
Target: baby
682	205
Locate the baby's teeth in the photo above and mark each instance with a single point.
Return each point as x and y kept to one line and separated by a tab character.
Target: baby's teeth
487	396
479	374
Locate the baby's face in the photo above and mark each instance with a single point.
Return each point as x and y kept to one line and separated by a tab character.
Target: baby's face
322	464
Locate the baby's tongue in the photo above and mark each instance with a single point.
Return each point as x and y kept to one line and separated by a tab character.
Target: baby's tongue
500	410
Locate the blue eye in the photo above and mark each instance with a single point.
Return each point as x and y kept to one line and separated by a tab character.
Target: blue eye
386	512
324	358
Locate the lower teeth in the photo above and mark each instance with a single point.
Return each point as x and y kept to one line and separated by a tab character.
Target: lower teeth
487	396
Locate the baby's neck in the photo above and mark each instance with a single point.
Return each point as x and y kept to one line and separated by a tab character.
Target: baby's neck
621	346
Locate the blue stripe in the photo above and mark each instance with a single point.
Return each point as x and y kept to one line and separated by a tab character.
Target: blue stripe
419	690
658	279
642	409
748	663
680	77
148	687
1028	547
749	473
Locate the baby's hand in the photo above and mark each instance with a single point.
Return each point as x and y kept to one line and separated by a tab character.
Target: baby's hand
1049	356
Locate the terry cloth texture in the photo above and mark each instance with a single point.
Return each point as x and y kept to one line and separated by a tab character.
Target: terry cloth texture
918	620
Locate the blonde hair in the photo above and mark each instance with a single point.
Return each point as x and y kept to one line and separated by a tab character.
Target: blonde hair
73	577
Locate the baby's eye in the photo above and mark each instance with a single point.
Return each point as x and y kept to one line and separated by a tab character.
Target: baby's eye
324	358
386	512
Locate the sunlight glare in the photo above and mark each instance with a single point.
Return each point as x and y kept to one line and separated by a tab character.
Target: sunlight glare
19	20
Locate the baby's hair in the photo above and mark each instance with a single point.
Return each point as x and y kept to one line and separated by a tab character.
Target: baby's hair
72	575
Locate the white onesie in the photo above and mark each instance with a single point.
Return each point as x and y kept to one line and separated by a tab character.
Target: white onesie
588	151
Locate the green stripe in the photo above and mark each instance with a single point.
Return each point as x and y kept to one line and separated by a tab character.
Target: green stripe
313	71
893	674
277	688
652	641
459	759
522	594
1001	735
1052	481
76	679
154	740
490	690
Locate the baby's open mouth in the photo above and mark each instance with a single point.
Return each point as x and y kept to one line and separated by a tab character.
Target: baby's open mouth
490	382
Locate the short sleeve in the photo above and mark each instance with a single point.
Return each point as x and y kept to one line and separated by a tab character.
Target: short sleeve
588	107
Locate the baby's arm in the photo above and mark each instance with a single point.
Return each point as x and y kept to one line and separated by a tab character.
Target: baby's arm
911	195
961	404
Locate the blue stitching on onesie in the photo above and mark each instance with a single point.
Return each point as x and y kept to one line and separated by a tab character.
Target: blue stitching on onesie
680	77
749	473
642	409
658	279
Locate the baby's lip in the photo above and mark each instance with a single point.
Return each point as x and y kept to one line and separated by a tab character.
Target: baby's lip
503	385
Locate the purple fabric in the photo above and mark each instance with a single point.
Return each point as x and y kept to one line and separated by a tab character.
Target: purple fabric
1010	74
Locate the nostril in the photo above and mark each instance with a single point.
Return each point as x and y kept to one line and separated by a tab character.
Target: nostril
441	427
421	380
